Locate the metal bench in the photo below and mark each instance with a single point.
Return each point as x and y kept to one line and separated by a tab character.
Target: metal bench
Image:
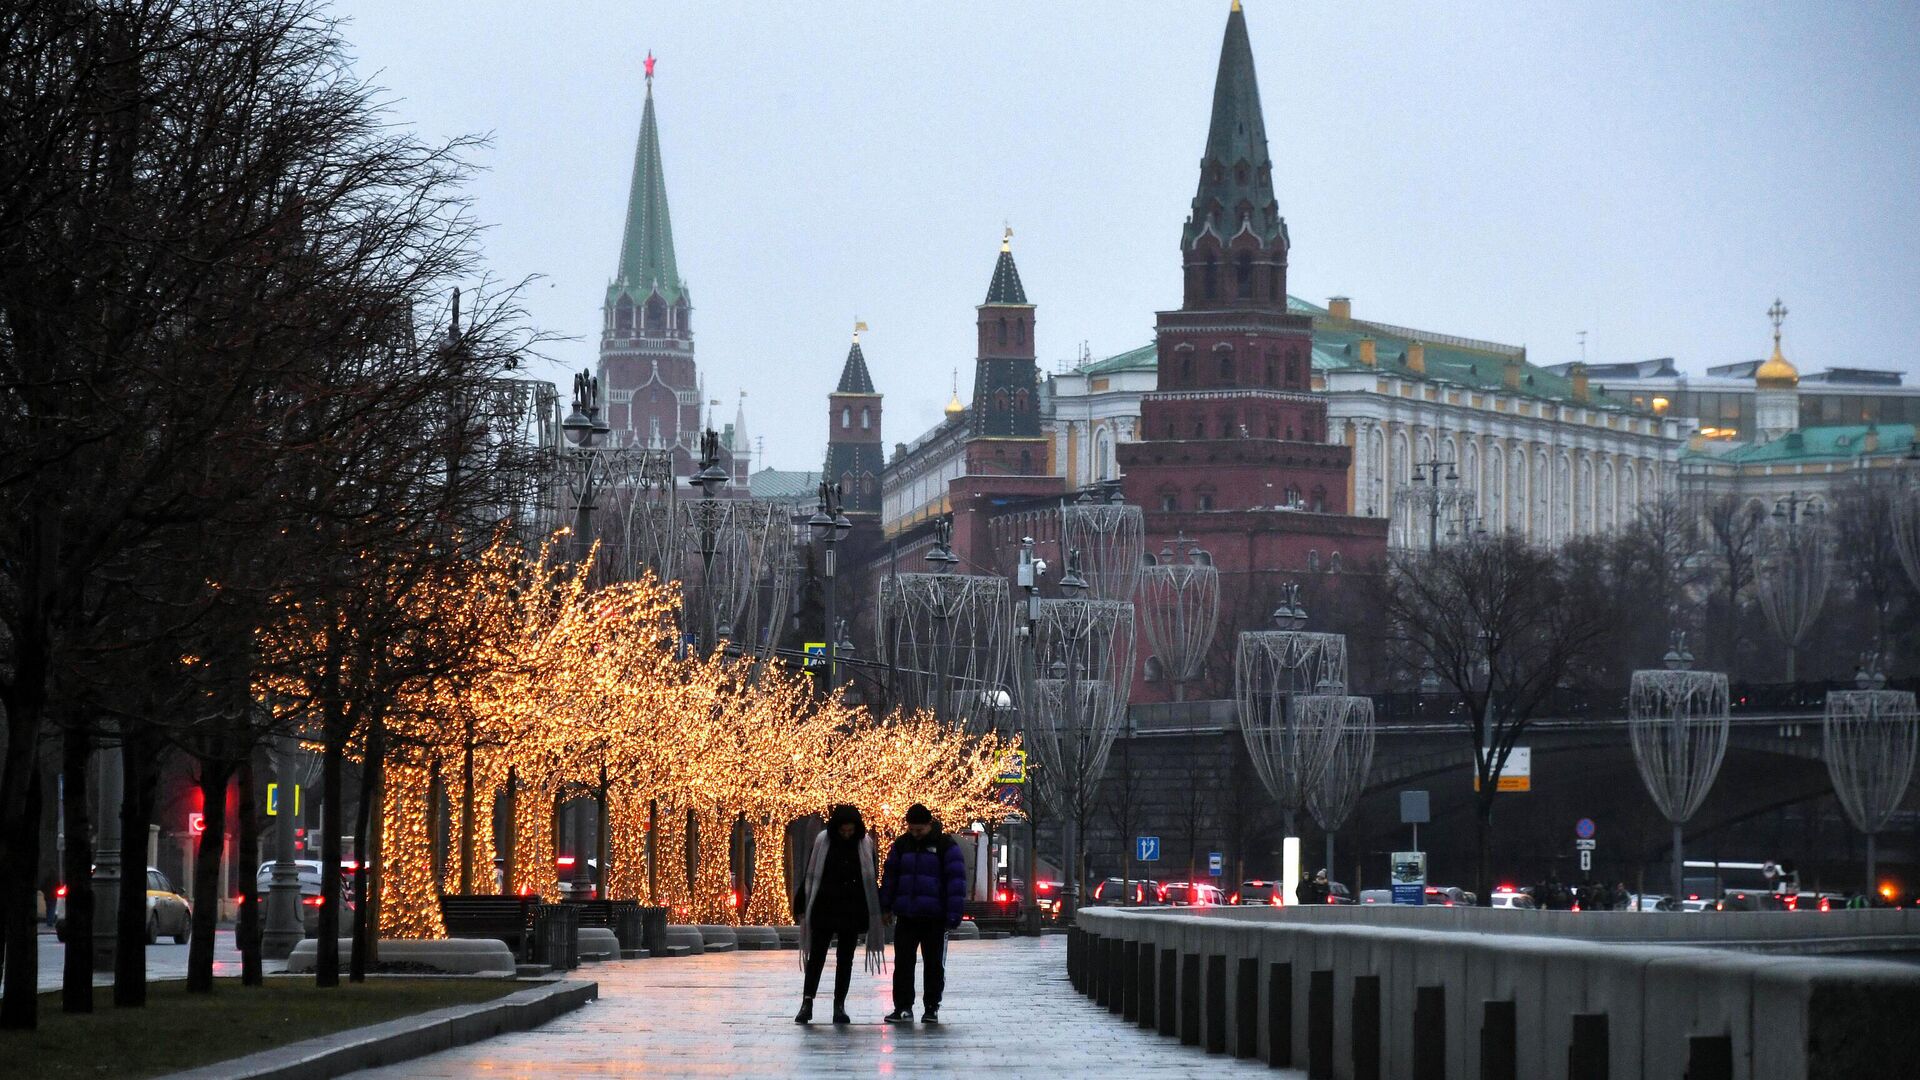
507	918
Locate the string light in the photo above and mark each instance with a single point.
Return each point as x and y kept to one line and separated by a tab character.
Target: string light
562	686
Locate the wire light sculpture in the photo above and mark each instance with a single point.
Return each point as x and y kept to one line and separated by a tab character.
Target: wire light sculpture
1906	519
1678	723
651	537
947	640
1870	741
1111	537
1348	765
1076	702
1179	601
1794	571
1290	748
735	588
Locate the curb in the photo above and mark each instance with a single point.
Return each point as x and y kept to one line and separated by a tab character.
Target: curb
408	1037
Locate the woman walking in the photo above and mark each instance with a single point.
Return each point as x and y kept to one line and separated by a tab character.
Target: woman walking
838	899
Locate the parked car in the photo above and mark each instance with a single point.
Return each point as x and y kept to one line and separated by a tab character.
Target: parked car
1450	896
571	889
1339	894
1751	900
310	898
1115	890
168	913
1652	902
1513	900
1257	891
1376	896
1191	894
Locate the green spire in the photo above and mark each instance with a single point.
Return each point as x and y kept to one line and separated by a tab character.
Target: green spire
646	251
1236	175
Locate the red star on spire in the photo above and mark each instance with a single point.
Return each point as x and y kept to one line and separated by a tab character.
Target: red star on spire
649	65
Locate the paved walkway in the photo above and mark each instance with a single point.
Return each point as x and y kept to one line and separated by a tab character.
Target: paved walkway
1008	1012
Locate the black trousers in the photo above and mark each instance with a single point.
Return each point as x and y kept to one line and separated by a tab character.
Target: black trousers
929	938
817	961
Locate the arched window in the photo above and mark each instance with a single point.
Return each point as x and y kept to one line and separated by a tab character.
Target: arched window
1319	500
1152	670
1020	331
1211	278
623	315
1226	425
1243	276
866	418
1313	560
1273	286
1000	401
1270	371
1003	330
1293	367
1026	462
1292	496
656	315
1226	365
1333	563
1186	367
1103	455
1169	502
1019	401
846	418
1206	500
1199	428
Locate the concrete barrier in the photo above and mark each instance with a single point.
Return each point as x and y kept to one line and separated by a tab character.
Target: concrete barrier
719	938
599	943
685	940
750	938
1343	995
449	956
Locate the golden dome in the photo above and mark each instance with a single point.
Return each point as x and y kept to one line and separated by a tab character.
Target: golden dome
1776	373
955	407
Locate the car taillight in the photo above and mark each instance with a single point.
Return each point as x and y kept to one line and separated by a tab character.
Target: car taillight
1825	904
733	897
1792	902
313	901
1275	900
563	860
59	891
1693	896
1099	890
1001	896
1234	899
1046	885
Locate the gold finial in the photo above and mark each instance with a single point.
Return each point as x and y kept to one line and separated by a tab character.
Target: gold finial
954	406
858	329
1236	5
1006	239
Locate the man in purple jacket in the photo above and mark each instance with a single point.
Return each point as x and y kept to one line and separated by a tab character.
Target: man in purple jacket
923	893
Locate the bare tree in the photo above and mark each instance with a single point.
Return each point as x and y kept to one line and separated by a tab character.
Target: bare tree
1501	623
1734	529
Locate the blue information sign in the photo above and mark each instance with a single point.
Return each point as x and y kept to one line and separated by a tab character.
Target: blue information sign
1146	848
1583	828
1214	863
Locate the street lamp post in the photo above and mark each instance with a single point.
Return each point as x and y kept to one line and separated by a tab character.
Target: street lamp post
1027	576
829	525
710	479
1428	473
586	474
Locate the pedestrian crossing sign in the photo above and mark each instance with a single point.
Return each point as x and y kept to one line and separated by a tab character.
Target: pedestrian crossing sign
816	653
1013	767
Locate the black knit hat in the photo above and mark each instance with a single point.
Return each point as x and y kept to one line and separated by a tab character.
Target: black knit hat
919	815
842	814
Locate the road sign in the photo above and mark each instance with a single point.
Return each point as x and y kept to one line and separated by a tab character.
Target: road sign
1409	877
1214	863
1583	828
1516	774
196	823
273	800
1586	859
1414	809
1013	767
816	652
1583	845
1146	848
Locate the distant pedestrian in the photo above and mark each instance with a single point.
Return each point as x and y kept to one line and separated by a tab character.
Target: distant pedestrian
838	899
1313	890
924	894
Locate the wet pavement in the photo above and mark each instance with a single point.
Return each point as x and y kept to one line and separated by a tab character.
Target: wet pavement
1008	1012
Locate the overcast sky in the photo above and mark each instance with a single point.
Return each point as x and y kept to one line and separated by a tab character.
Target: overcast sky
1651	173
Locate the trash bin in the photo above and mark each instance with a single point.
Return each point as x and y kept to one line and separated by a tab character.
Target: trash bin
627	924
556	936
653	930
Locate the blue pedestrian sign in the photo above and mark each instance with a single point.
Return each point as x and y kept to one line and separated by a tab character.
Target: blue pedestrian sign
1146	848
1583	828
1215	861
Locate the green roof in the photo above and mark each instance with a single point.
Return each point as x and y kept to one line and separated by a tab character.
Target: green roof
646	248
1840	443
1236	173
1457	360
783	484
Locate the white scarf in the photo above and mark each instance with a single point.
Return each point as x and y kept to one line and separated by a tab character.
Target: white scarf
816	869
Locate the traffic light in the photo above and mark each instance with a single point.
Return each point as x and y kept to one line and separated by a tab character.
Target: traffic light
299	841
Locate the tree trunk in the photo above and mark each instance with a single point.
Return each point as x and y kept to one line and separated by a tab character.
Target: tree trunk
1483	827
326	966
214	778
136	814
76	868
247	932
365	890
19	863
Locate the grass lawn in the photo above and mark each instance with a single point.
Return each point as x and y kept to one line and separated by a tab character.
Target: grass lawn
178	1030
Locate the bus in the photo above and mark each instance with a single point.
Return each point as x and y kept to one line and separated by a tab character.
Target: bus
1709	880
